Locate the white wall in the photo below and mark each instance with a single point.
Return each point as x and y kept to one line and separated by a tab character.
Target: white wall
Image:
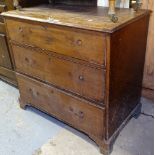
103	3
119	3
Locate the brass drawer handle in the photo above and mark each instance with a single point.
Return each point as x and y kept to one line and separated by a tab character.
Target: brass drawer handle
81	77
79	114
27	60
79	42
34	93
20	29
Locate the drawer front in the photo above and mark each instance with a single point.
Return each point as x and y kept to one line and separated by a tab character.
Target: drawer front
66	74
81	44
75	111
2	28
4	53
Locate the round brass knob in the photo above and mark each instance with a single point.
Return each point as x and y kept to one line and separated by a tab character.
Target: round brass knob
26	59
81	77
79	42
20	29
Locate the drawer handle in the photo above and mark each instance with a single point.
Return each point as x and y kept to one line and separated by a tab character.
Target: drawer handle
81	78
26	59
34	93
79	42
20	29
79	114
30	62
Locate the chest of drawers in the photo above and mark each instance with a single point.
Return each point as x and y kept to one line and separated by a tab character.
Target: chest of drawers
6	66
78	66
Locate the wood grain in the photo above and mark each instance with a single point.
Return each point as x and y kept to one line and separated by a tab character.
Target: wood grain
77	2
74	43
6	67
126	71
74	111
51	59
90	18
65	74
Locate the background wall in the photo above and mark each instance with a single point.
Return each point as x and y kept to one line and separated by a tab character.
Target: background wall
148	81
119	3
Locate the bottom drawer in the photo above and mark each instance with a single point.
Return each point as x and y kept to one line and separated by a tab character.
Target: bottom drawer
77	112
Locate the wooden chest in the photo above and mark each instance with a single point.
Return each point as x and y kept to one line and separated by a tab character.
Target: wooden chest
78	66
6	64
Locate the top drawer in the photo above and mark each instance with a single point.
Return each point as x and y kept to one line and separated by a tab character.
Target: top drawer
77	43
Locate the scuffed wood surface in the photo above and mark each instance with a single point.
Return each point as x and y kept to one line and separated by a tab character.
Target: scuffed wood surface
92	18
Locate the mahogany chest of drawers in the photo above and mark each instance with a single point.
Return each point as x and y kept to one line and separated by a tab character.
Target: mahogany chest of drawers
78	66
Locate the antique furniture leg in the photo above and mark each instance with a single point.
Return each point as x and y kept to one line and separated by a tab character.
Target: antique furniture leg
22	104
112	12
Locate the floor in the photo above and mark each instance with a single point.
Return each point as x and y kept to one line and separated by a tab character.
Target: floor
32	132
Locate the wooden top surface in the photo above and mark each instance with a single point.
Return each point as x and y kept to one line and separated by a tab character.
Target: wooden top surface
91	18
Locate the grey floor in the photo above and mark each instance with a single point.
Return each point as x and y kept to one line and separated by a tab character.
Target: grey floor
23	132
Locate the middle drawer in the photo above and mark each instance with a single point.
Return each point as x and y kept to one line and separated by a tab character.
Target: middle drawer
68	74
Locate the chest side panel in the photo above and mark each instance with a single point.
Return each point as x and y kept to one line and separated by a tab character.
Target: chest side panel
127	57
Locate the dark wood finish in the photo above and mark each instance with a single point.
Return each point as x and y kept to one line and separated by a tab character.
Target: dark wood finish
28	3
66	74
6	67
78	113
4	53
126	71
88	18
6	59
95	87
77	2
74	43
